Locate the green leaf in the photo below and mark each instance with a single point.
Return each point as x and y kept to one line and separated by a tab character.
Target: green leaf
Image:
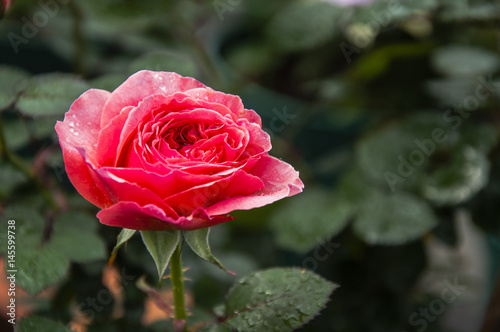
29	227
293	28
42	128
125	235
161	246
385	153
198	242
109	82
385	13
278	299
75	237
40	324
16	134
458	180
215	328
452	91
455	10
50	94
12	81
10	178
39	268
465	61
393	219
166	61
309	219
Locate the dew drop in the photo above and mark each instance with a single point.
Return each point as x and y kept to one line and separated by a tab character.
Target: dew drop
71	124
71	130
75	133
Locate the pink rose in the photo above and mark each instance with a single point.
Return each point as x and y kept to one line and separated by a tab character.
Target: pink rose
6	4
164	151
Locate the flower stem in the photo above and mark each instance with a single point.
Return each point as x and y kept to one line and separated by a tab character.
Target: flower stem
177	278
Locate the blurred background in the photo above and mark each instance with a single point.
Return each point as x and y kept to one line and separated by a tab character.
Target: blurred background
388	109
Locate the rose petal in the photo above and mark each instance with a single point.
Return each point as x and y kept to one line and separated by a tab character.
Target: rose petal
162	185
143	84
81	174
120	189
280	180
238	183
150	217
259	142
81	123
79	150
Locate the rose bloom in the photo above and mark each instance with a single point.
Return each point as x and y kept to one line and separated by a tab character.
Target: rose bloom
6	4
164	151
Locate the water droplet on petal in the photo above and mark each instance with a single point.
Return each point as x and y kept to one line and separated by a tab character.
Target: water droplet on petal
71	130
71	123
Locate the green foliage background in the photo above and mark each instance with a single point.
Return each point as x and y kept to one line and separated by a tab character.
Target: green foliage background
390	113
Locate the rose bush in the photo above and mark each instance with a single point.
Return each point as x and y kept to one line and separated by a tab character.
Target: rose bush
164	151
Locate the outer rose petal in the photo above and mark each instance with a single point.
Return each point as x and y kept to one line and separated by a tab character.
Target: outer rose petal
238	183
149	217
85	111
143	84
280	180
81	123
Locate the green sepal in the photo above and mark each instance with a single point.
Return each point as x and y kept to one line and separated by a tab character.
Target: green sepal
121	239
198	242
161	246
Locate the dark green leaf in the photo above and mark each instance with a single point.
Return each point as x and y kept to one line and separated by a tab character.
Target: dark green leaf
198	242
10	178
393	219
108	82
75	237
215	328
278	299
294	29
385	154
16	134
161	246
465	61
166	61
40	324
309	219
12	81
50	94
461	178
38	268
29	227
